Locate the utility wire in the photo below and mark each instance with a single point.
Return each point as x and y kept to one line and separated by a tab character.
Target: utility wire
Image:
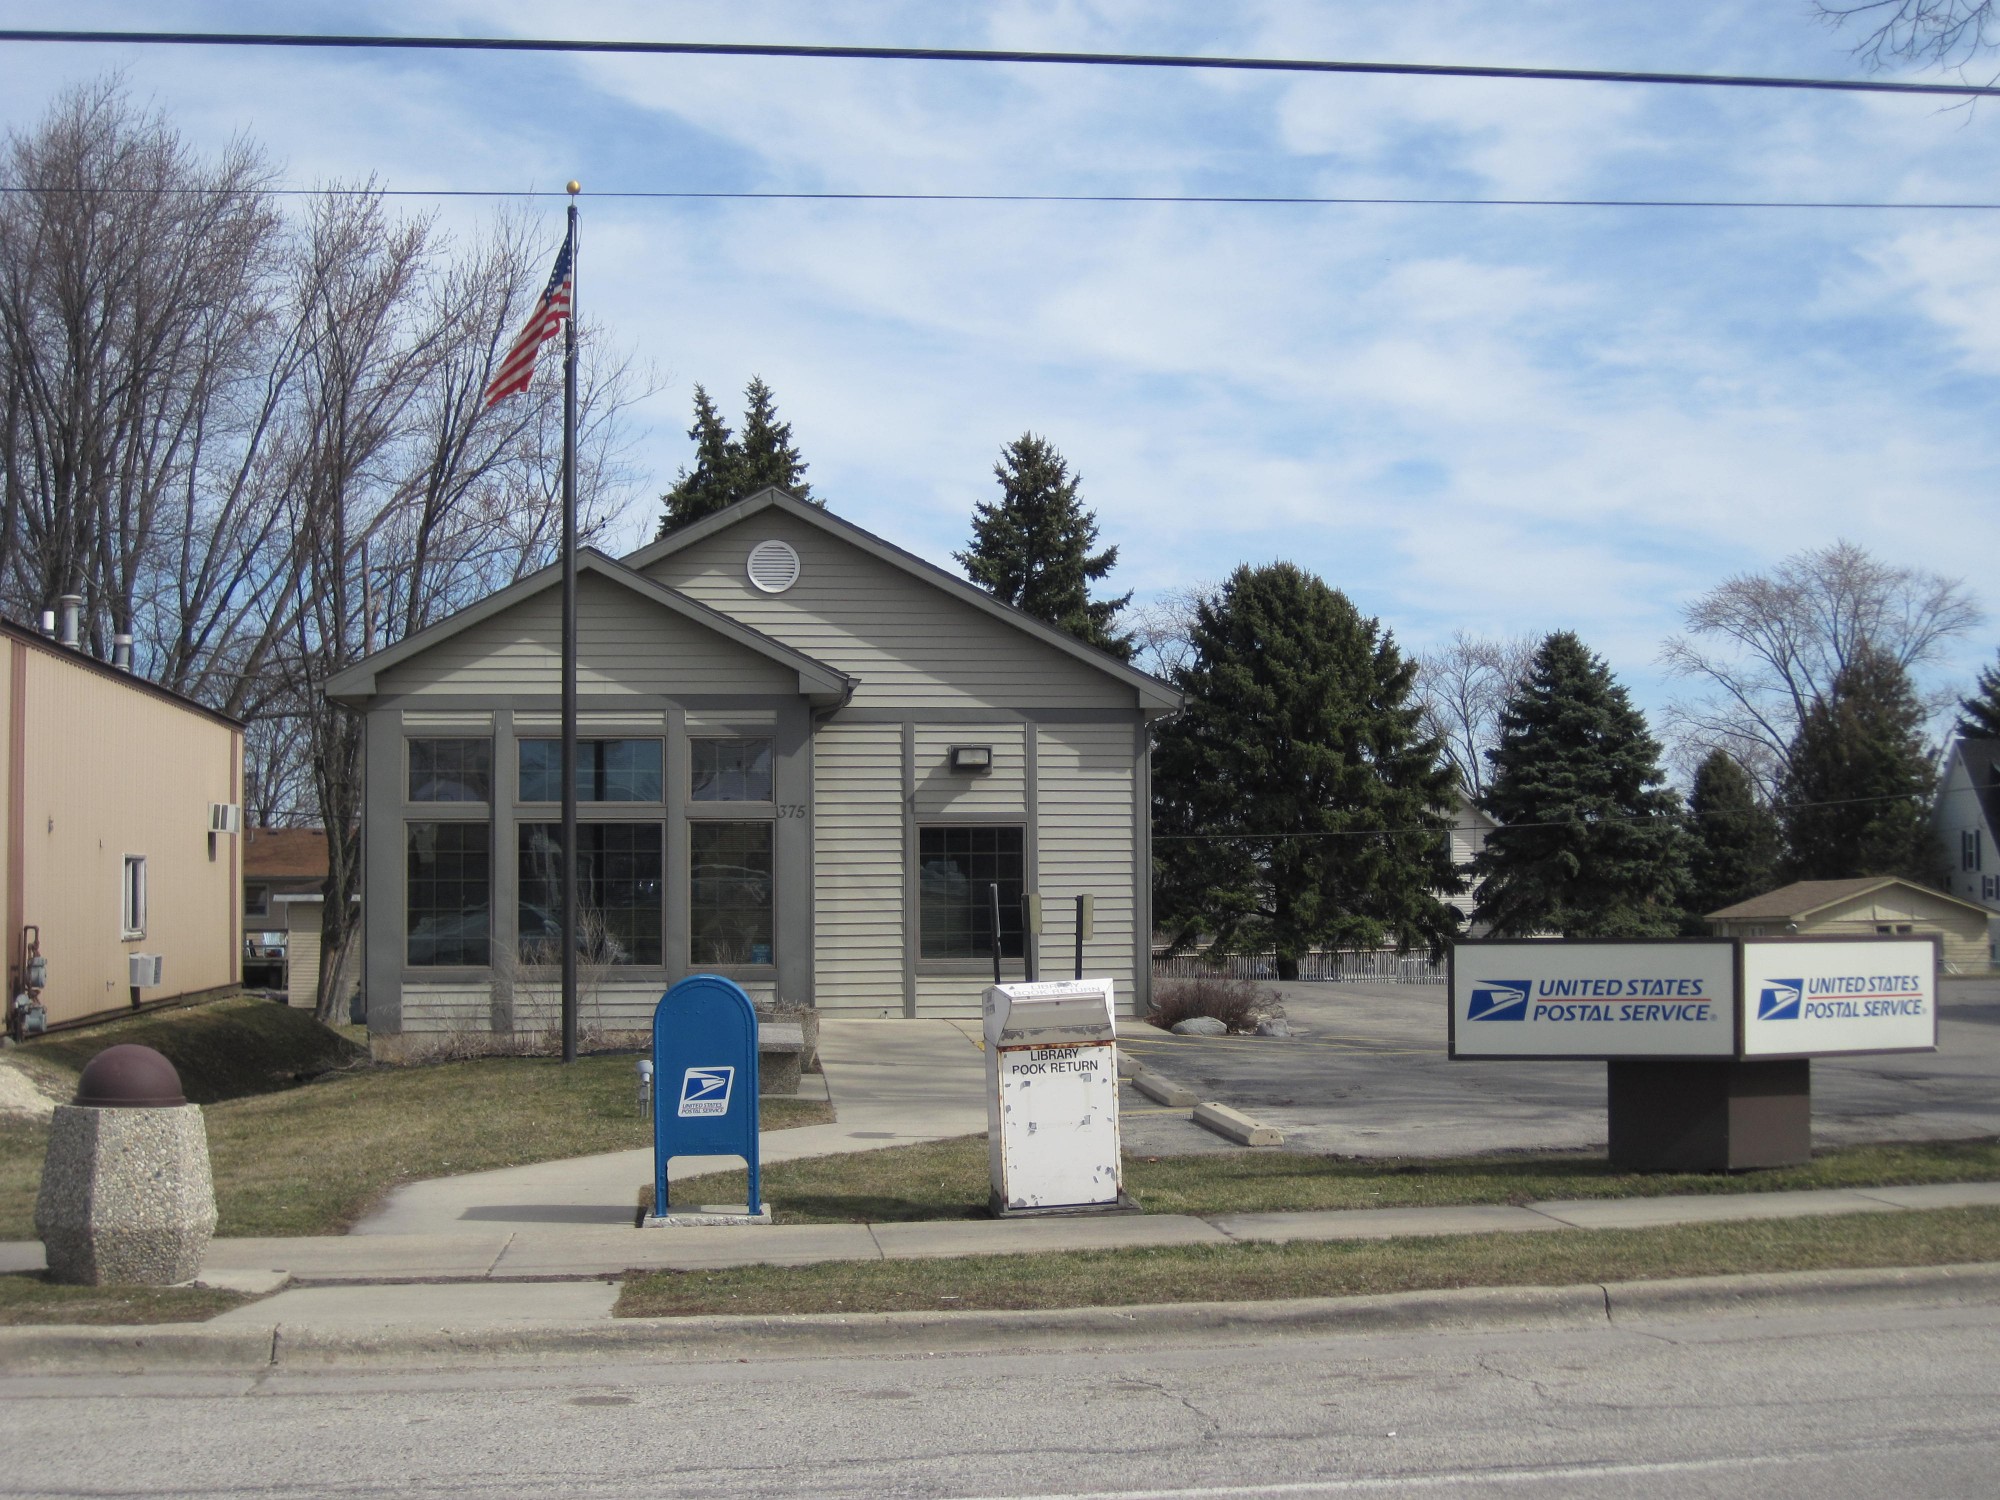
985	55
1246	199
1349	833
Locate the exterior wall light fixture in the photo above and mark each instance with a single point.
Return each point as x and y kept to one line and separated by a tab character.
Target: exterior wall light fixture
972	758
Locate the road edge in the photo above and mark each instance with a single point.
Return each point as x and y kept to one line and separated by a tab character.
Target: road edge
53	1349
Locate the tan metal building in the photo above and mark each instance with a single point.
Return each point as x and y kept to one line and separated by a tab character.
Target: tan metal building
121	800
1870	906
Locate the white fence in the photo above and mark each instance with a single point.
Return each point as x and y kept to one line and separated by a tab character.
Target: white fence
1375	966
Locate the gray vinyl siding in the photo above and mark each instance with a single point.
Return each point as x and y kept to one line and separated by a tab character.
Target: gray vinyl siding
858	880
624	645
1087	790
942	793
910	644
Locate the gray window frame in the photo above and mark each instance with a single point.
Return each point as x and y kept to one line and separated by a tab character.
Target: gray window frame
1012	967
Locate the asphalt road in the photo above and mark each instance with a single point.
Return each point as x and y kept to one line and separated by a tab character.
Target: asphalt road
1368	1076
1836	1405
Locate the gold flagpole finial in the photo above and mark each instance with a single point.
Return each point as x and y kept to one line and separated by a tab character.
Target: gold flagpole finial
575	187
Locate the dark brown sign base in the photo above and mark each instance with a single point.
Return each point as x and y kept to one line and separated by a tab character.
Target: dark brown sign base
1709	1116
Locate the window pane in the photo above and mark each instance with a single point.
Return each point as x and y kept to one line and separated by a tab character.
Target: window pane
451	770
606	771
619	893
731	770
447	885
955	868
729	893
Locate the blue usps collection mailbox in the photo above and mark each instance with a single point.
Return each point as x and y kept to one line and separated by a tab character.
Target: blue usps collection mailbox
704	1078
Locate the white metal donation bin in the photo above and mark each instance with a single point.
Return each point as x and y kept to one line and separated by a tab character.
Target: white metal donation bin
1052	1097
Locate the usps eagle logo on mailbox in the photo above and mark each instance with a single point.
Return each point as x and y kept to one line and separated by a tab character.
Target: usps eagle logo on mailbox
1779	1000
705	1091
1499	1000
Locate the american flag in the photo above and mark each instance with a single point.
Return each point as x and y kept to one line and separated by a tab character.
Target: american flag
518	368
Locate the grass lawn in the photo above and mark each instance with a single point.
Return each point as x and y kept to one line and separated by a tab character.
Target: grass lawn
26	1298
292	1158
1235	1273
948	1180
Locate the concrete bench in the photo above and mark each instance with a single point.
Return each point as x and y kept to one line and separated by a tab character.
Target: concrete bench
781	1053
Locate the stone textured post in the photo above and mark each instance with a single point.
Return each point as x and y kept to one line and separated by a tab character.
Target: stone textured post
126	1195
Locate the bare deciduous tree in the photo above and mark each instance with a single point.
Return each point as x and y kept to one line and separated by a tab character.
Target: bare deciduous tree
1461	688
1767	647
1163	631
1947	33
261	446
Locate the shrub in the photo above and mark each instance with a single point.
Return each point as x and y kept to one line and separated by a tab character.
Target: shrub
1237	1003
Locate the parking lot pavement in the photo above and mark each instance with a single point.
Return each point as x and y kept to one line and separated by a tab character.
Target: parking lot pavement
1367	1075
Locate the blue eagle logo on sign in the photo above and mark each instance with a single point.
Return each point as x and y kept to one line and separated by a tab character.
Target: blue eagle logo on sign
1499	1000
705	1091
1779	1000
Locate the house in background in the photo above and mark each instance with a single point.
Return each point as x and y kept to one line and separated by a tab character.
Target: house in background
1967	816
1469	830
277	863
806	758
1870	906
122	800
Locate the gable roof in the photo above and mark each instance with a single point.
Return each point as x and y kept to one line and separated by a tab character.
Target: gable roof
1153	693
1981	759
1802	898
817	680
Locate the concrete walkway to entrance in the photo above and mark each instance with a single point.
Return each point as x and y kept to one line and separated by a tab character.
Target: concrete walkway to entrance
892	1083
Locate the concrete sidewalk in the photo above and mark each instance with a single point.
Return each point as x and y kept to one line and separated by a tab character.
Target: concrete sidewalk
892	1083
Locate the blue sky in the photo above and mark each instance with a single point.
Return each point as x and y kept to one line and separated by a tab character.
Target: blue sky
1501	420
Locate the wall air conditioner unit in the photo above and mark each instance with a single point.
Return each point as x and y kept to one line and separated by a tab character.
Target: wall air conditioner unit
224	817
145	970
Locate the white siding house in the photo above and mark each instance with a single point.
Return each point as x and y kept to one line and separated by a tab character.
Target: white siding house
1967	817
808	757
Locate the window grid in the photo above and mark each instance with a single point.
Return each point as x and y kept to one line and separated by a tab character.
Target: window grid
729	893
955	868
730	770
619	884
453	770
606	771
447	894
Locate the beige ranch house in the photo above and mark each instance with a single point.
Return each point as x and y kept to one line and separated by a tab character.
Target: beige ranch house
805	756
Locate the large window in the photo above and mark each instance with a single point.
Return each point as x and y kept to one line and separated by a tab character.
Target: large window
447	890
729	893
731	770
956	869
451	770
606	771
618	880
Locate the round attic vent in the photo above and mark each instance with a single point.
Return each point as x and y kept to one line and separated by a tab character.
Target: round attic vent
774	566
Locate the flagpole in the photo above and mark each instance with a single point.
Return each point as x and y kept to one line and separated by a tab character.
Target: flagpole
569	891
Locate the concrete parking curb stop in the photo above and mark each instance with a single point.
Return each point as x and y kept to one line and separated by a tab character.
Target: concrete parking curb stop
252	1349
1234	1125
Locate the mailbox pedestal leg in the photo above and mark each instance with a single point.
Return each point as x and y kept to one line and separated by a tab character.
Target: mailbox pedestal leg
1721	1116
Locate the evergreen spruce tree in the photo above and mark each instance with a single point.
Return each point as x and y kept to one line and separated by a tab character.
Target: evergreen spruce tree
1031	548
1979	715
1856	795
728	468
767	455
1298	799
1590	842
1734	846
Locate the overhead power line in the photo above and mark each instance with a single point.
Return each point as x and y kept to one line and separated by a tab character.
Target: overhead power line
1278	200
985	55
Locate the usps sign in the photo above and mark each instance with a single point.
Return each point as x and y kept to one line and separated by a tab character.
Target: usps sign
705	1091
1550	998
1812	998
